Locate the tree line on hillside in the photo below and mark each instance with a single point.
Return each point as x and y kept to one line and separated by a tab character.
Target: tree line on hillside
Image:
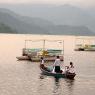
6	29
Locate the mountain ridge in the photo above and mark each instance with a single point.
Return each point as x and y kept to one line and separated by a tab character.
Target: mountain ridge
37	25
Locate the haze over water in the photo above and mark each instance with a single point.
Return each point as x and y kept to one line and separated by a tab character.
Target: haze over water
24	77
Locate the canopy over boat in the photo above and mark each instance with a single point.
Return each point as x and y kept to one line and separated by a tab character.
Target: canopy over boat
49	50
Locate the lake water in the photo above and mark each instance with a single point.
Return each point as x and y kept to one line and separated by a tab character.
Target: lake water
24	77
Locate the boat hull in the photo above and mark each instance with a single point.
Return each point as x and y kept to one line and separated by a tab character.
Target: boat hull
23	58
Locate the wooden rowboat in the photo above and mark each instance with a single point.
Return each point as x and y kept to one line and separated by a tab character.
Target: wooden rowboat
47	72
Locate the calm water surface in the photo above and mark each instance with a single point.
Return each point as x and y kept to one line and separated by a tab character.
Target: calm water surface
24	77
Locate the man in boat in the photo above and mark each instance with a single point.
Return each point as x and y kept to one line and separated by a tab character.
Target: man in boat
42	65
70	69
57	64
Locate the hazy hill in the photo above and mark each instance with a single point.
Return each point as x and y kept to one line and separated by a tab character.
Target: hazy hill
71	30
91	11
6	29
37	25
65	14
16	22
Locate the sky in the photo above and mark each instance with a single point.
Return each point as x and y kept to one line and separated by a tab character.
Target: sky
83	3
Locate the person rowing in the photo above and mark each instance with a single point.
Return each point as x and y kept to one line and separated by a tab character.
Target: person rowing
43	66
42	63
57	64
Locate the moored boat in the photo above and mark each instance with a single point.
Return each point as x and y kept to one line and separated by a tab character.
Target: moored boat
23	58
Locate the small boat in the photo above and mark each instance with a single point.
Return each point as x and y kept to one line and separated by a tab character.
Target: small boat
23	58
62	74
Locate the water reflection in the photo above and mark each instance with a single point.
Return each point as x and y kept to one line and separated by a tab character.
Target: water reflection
63	86
70	85
57	87
41	76
70	82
